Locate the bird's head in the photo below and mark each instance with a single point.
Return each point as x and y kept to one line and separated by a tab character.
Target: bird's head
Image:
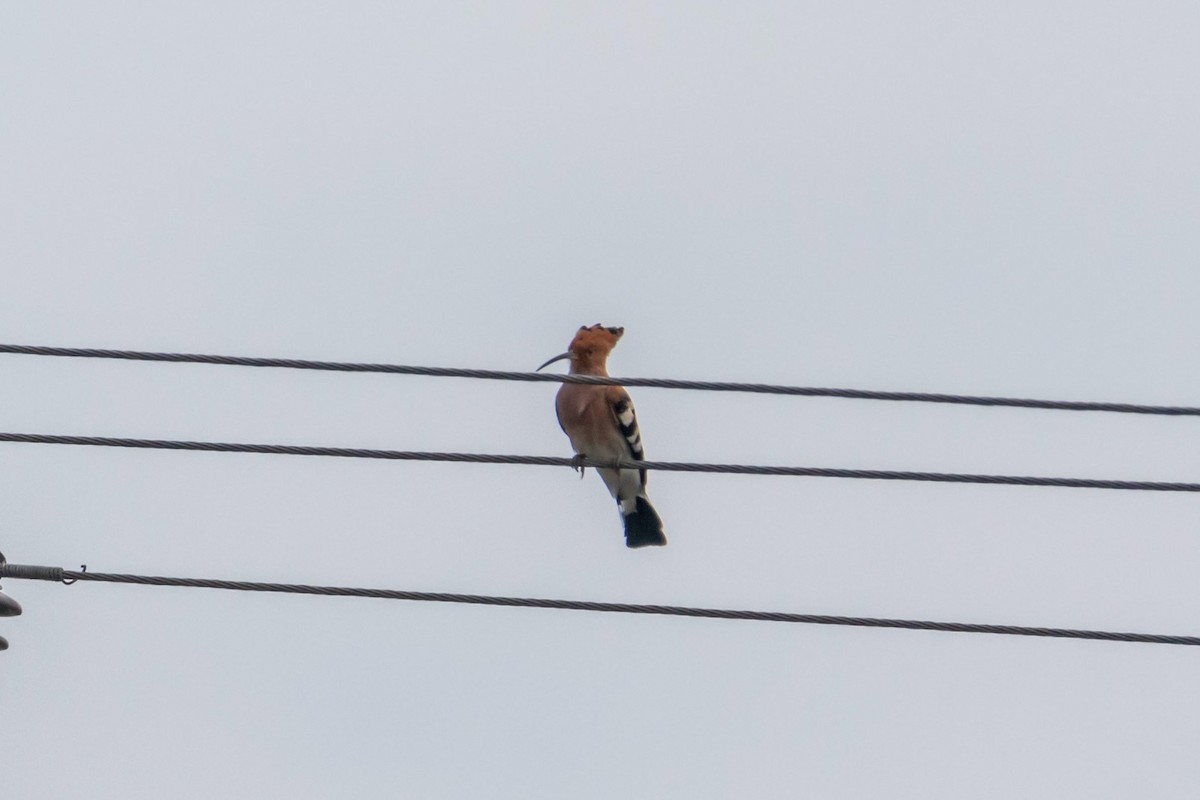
590	347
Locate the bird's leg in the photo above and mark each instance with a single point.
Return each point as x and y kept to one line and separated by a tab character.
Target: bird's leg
577	463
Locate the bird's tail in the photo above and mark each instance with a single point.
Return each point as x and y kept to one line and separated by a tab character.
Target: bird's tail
643	527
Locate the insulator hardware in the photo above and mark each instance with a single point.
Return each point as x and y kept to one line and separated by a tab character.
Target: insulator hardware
8	606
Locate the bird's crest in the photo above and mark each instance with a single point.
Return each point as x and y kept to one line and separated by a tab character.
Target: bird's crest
596	341
589	349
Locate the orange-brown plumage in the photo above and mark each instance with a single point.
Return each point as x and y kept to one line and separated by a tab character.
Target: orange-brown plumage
601	424
590	348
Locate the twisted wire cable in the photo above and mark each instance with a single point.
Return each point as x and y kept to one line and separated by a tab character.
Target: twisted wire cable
555	461
58	574
656	383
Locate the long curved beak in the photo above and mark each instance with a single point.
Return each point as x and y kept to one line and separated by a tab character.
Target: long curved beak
559	357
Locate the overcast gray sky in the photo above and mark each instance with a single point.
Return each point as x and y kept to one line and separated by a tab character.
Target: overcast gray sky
963	197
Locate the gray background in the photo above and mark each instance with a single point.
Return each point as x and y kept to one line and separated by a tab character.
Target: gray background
981	198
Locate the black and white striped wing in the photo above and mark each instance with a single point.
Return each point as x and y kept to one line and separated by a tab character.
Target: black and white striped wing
622	407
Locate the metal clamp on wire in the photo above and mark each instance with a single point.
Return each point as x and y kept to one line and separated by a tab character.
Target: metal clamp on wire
69	581
32	572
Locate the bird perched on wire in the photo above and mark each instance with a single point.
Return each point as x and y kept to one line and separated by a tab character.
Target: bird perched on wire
601	424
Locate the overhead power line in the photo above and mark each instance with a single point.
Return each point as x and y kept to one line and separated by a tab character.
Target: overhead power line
58	574
555	461
655	383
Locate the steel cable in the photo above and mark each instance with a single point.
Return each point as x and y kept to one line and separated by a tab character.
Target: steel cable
556	461
59	574
656	383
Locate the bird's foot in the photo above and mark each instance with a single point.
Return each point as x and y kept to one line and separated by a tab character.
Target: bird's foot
577	464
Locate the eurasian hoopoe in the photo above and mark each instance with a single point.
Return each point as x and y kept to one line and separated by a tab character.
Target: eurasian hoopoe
602	426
